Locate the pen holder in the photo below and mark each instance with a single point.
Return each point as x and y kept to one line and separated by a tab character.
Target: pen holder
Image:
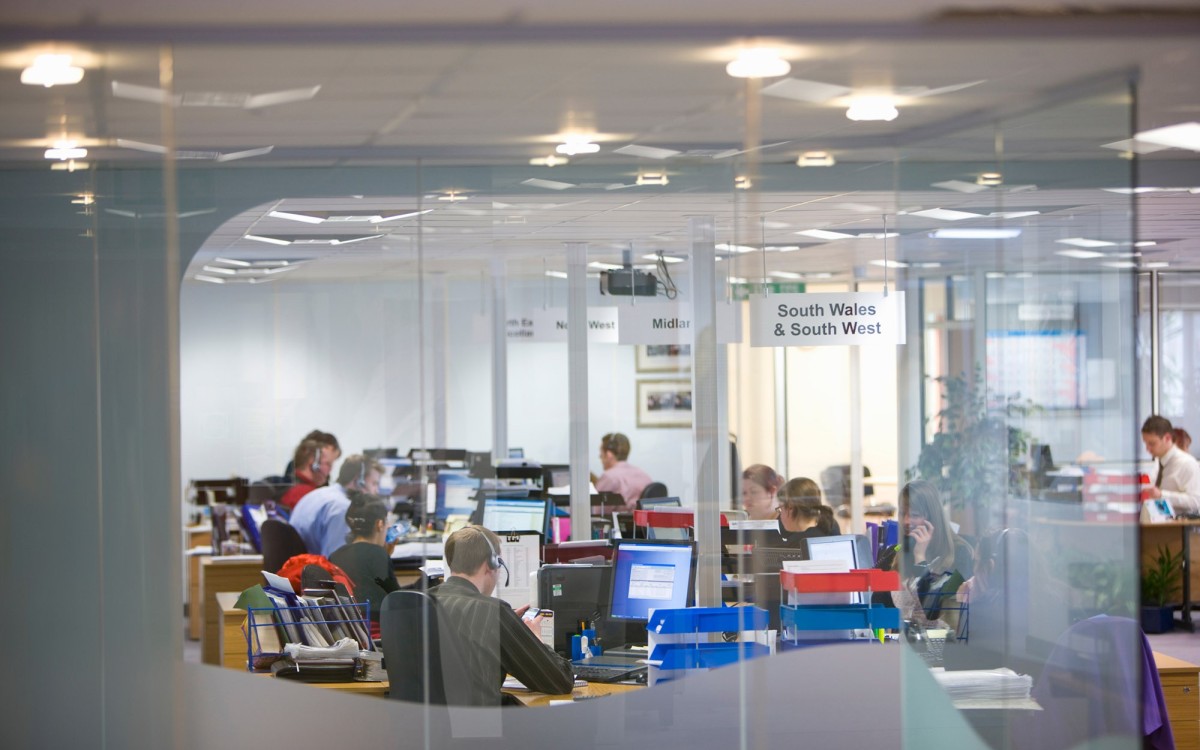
583	646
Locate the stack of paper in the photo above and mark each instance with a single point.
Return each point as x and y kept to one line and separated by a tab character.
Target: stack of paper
987	684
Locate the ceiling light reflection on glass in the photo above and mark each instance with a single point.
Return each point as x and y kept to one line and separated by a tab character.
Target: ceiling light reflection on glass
652	178
824	234
549	161
989	179
52	70
1084	242
815	159
975	234
577	144
758	62
872	109
64	150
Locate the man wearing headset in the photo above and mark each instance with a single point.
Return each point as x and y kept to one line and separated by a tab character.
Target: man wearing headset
314	463
320	516
492	637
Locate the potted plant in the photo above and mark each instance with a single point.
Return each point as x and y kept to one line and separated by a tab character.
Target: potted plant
972	455
1159	581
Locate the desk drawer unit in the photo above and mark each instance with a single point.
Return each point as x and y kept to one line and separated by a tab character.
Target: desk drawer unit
1181	689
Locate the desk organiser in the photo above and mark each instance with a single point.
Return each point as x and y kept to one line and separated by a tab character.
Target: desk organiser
678	518
809	615
681	639
269	628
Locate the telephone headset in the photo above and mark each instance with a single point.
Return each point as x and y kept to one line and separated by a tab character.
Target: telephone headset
362	473
316	462
494	561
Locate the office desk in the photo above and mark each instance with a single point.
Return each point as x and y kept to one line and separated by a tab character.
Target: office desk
217	574
1155	534
379	690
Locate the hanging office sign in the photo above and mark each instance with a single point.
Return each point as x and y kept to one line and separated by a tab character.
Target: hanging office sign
550	325
850	319
671	323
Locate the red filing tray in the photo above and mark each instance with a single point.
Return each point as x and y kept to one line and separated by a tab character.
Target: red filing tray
666	520
867	579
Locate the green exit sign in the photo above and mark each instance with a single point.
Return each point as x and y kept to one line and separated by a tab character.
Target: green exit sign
744	291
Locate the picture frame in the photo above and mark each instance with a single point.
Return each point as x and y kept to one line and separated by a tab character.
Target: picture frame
664	403
664	358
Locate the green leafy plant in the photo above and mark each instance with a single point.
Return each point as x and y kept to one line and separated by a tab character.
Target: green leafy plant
972	454
1162	577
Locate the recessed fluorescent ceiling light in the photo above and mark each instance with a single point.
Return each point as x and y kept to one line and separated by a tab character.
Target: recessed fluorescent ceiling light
219	269
738	280
51	70
725	247
1084	242
547	184
665	258
889	263
872	108
1133	145
758	62
801	90
975	234
989	179
1079	254
783	248
605	266
268	240
549	161
960	186
877	235
233	262
786	275
1145	243
1156	264
453	196
1184	135
209	279
824	234
649	152
927	264
557	274
1132	190
1012	214
742	182
815	159
945	214
652	178
1120	264
409	215
68	166
296	217
66	149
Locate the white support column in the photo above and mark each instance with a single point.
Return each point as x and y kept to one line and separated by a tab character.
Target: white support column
707	379
438	356
499	360
577	389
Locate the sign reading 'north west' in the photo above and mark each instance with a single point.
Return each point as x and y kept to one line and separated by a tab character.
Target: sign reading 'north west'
849	319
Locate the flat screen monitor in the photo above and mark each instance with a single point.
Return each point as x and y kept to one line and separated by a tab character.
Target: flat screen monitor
854	549
578	593
555	475
650	574
501	514
652	503
455	494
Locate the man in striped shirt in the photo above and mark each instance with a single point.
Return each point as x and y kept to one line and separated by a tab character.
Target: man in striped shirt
491	637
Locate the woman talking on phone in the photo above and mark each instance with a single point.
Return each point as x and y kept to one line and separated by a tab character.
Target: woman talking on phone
933	560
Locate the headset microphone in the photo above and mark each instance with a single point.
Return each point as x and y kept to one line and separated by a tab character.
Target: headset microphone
495	562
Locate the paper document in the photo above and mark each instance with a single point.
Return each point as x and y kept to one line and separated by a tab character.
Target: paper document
995	684
413	550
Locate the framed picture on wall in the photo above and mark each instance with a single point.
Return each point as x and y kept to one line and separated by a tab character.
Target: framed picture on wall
664	358
664	403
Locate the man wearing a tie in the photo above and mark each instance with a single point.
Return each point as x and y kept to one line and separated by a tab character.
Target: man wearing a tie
1178	476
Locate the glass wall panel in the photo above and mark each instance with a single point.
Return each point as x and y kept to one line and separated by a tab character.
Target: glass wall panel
1030	447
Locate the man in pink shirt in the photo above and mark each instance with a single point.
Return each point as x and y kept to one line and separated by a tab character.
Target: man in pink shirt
619	476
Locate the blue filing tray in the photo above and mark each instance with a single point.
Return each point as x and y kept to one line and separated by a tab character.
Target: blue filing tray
707	620
705	655
839	616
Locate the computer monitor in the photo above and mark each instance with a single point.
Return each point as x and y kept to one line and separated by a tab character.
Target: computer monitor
455	494
854	549
555	475
650	574
501	514
653	503
579	594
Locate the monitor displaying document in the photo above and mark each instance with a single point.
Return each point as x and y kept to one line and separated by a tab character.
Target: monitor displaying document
650	574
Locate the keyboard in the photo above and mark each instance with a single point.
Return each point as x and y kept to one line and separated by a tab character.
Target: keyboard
597	673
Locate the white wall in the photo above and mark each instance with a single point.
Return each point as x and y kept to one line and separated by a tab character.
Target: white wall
263	365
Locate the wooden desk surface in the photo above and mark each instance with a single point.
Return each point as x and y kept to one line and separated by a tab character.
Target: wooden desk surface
1171	665
591	690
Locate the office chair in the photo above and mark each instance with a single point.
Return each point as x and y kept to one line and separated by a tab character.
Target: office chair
280	542
423	662
654	489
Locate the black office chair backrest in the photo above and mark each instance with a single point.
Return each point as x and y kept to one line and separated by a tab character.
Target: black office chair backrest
423	662
280	542
654	489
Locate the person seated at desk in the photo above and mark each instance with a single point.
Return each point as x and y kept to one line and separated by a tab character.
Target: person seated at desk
314	464
324	438
803	513
760	488
933	560
490	635
619	475
1178	478
365	557
320	516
